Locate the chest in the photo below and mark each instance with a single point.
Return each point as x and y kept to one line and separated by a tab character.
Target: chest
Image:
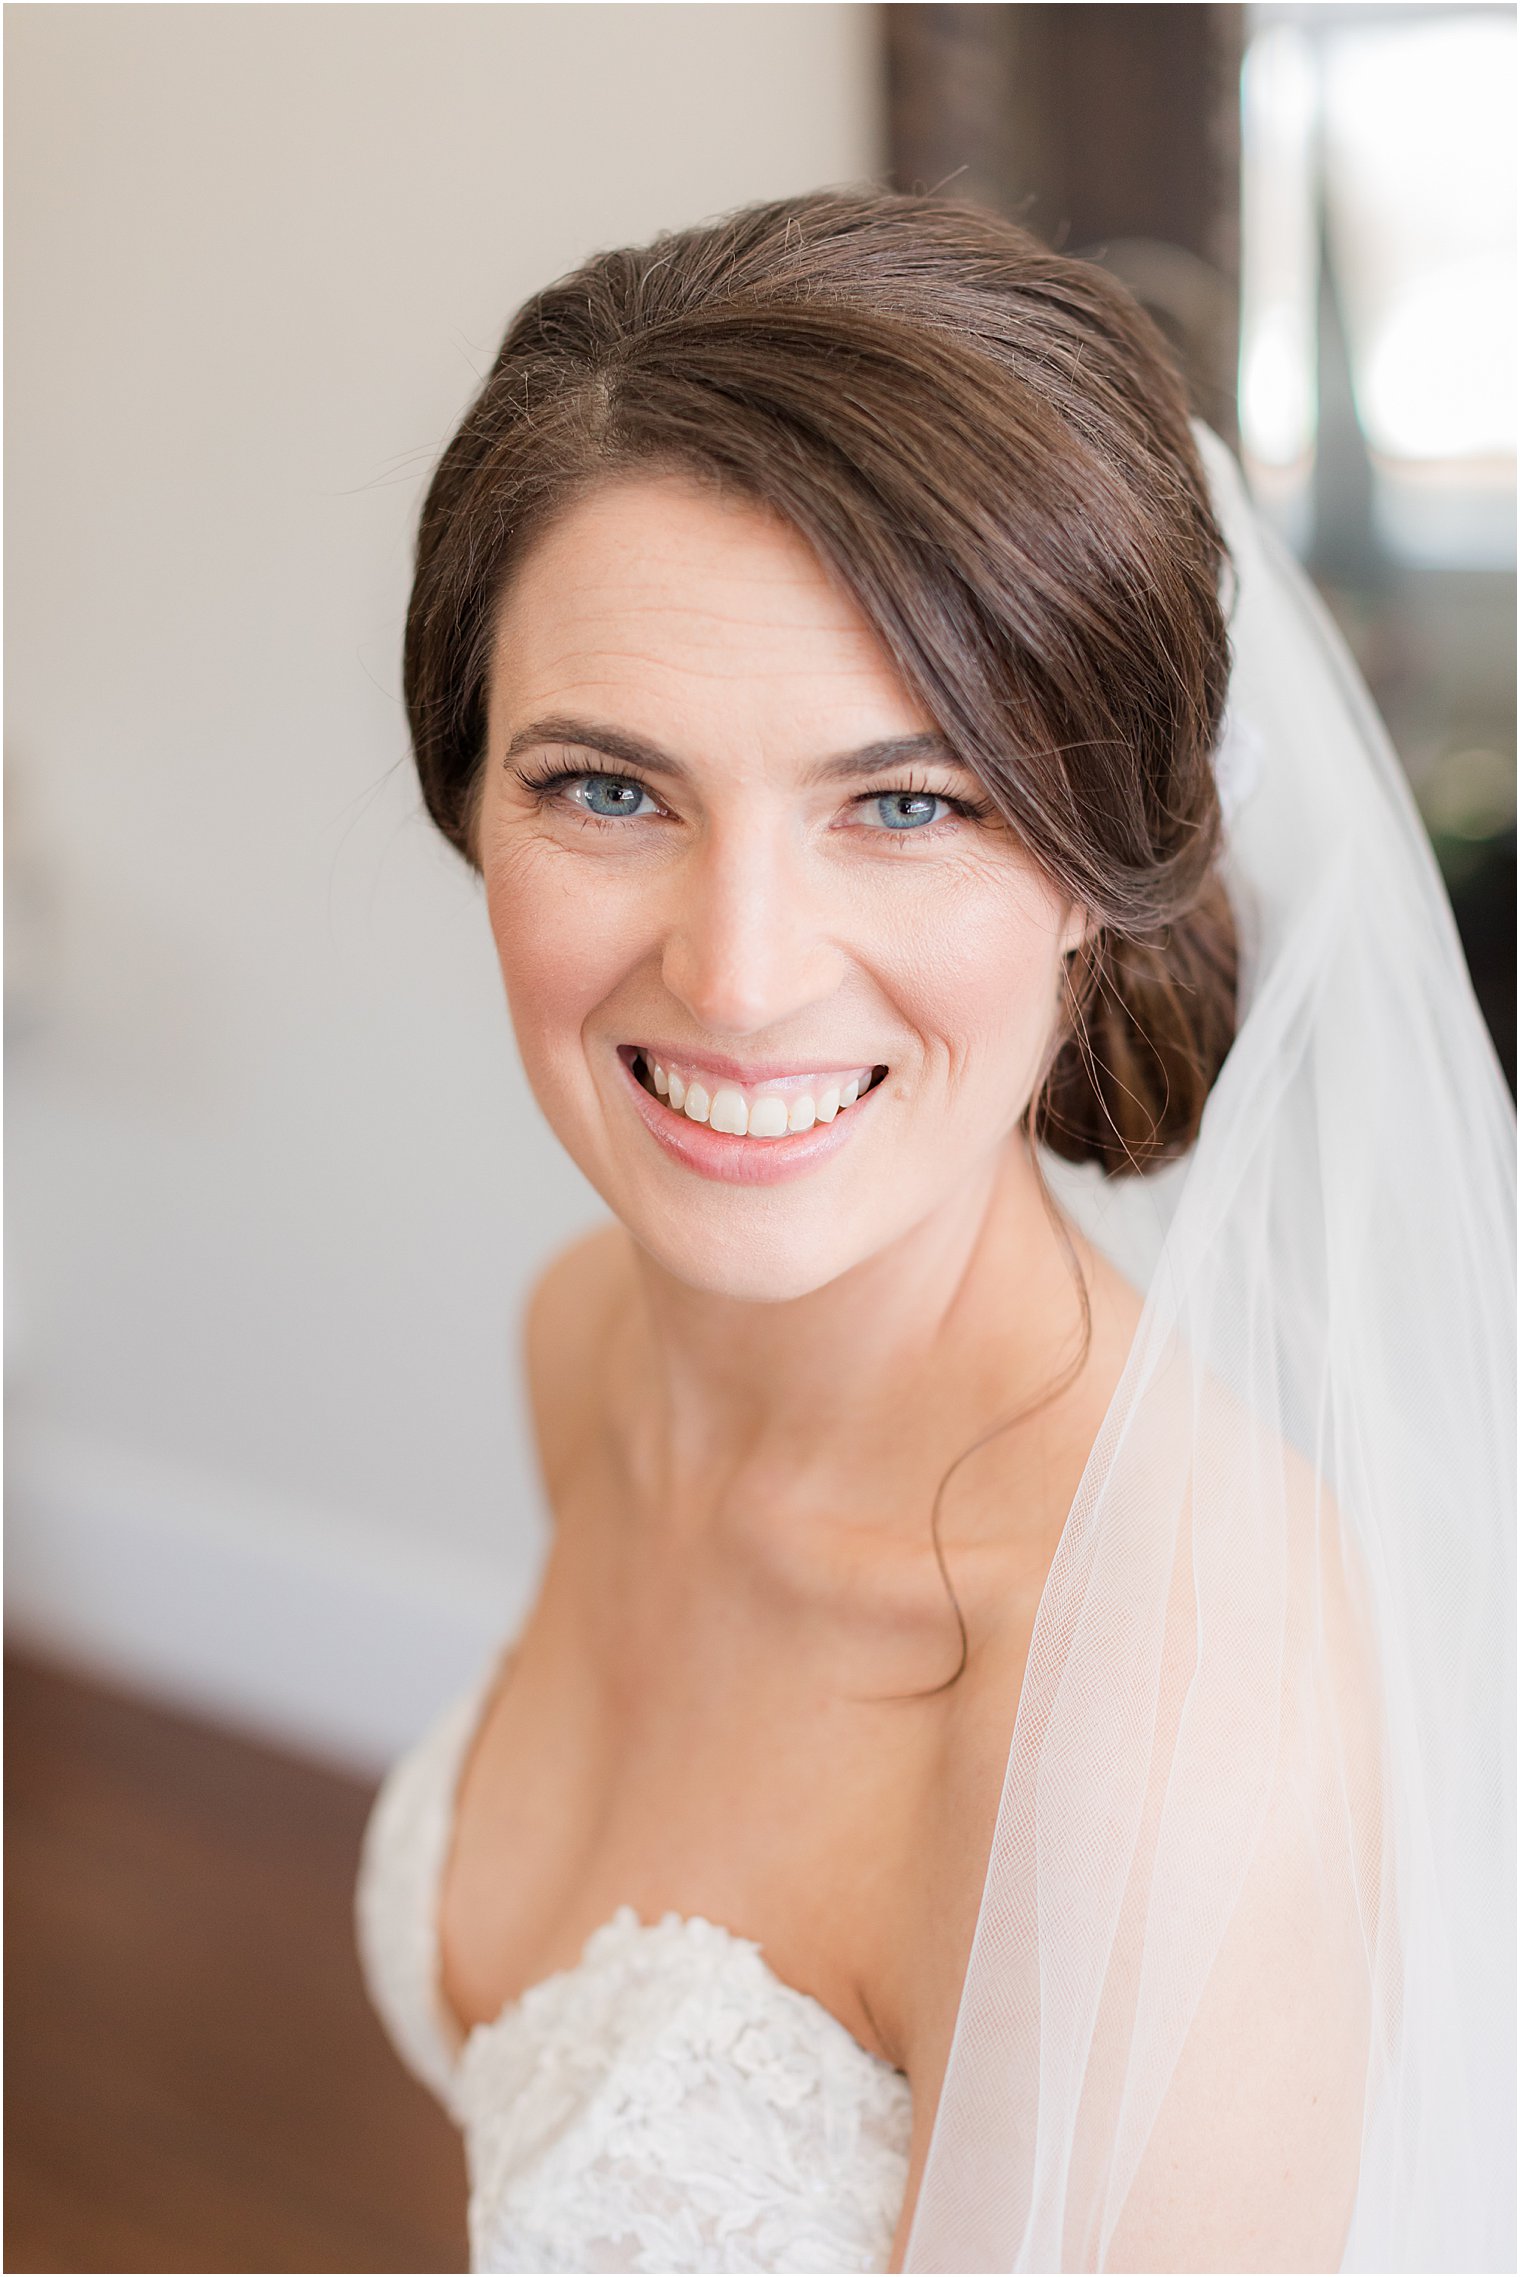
665	1740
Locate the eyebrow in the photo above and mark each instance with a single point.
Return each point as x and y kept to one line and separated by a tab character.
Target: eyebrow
635	751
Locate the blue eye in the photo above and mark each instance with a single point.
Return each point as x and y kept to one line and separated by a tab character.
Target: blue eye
609	797
908	810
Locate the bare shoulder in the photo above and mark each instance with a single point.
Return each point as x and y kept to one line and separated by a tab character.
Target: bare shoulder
1288	1981
1293	1984
567	1321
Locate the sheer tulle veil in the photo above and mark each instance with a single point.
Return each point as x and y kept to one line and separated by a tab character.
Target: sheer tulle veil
1247	1932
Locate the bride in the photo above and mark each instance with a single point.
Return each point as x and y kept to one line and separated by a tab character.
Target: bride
1007	1765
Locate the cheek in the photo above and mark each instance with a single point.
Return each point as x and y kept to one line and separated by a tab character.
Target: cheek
978	974
563	950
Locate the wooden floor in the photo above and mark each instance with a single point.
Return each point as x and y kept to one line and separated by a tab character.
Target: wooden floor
194	2080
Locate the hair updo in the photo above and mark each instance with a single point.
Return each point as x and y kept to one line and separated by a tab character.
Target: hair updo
988	445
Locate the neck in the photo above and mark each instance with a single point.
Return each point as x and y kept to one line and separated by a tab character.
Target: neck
976	1307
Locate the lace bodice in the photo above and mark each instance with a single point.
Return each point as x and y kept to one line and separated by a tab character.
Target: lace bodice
666	2104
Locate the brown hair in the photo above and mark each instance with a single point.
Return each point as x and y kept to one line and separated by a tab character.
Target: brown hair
988	445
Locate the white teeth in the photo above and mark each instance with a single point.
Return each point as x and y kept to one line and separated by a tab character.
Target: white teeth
729	1110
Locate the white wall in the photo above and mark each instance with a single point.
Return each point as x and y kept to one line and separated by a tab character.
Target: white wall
275	1184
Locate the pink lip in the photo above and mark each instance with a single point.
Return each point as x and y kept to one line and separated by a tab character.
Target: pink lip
742	1161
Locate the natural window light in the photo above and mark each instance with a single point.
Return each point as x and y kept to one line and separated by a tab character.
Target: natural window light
1379	230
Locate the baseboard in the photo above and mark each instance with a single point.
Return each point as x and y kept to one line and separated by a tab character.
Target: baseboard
291	1626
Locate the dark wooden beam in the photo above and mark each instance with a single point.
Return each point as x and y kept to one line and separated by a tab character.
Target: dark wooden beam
1112	132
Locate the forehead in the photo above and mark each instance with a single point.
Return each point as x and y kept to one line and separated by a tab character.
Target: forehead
660	603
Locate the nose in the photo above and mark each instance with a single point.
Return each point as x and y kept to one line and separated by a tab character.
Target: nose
748	945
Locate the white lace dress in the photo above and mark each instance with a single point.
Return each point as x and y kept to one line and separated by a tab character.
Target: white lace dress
666	2104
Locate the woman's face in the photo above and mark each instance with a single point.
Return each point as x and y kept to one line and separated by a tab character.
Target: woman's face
781	980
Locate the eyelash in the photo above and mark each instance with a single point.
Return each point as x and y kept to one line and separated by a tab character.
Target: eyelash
543	786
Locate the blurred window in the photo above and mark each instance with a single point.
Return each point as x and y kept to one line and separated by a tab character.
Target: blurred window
1378	393
1379	175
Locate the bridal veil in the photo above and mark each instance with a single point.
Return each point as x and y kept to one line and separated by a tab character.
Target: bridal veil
1247	1931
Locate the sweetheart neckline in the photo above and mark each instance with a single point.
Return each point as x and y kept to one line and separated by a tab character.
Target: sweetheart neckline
456	2037
625	1924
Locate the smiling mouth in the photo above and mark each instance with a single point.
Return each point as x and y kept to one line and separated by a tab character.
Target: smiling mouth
775	1109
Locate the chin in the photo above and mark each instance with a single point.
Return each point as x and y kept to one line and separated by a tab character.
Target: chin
763	1260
